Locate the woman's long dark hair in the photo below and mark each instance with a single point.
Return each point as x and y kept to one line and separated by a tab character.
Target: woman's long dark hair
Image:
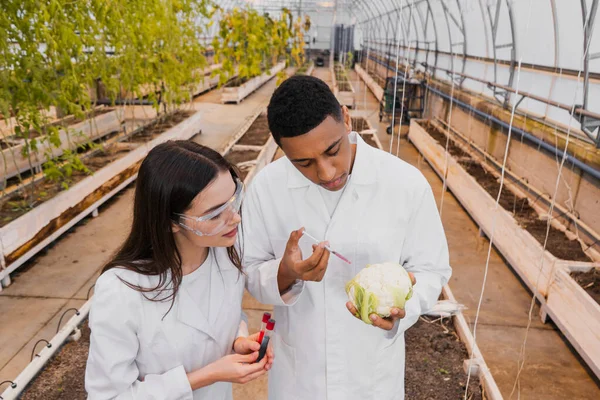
170	177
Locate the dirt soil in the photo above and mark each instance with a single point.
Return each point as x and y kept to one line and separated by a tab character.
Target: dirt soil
434	363
258	134
63	378
359	124
558	243
239	156
590	282
369	140
434	367
20	202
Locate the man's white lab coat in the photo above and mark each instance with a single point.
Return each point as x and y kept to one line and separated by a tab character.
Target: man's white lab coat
386	213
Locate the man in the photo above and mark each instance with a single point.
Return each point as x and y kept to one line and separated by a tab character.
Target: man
369	206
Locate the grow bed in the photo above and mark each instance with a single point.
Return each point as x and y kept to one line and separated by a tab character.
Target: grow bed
102	122
258	134
63	378
572	309
360	124
371	83
20	202
342	88
558	243
253	148
237	93
434	362
25	230
590	282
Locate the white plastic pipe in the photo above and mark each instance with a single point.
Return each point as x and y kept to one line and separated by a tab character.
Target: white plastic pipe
36	365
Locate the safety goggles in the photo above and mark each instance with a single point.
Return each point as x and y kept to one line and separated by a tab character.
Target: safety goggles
213	223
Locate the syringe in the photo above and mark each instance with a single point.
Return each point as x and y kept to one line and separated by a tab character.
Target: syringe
341	257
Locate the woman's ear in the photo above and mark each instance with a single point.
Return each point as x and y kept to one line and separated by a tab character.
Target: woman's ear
347	119
175	228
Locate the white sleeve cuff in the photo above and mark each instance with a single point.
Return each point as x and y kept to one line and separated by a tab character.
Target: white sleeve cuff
413	312
175	383
289	297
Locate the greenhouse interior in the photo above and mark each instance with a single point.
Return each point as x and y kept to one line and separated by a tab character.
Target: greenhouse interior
464	233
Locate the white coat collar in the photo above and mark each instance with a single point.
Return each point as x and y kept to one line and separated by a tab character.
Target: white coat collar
364	171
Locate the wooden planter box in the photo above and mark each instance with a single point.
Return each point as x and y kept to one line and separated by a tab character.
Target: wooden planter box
13	162
238	93
209	82
545	275
476	362
346	98
266	151
26	235
370	82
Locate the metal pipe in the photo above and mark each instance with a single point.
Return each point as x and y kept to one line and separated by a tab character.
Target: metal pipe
36	365
525	135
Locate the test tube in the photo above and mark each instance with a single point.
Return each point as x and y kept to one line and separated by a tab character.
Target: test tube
265	342
265	319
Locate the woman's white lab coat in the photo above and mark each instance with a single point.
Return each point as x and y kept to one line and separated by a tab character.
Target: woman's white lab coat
387	213
136	354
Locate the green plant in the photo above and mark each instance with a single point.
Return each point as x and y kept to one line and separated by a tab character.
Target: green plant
349	60
53	54
249	43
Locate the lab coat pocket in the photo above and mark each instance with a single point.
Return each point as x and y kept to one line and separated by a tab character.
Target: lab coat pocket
282	382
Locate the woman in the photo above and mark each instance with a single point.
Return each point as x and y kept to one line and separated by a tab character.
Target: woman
166	317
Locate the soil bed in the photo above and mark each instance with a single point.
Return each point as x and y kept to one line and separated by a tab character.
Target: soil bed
63	378
434	363
434	367
558	243
258	134
21	201
590	282
240	156
359	124
369	140
63	123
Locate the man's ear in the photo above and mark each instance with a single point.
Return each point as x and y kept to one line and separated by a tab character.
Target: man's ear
347	119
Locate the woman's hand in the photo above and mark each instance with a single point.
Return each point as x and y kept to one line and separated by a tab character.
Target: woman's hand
234	368
239	368
247	345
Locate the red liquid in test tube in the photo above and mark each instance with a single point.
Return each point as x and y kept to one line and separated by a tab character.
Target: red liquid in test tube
265	319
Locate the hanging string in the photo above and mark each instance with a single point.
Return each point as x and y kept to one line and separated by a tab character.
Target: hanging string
446	153
396	75
495	211
548	223
407	62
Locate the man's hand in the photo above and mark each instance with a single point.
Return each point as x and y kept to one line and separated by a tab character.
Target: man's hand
384	323
293	267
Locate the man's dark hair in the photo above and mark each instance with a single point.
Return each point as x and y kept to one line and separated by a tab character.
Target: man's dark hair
299	105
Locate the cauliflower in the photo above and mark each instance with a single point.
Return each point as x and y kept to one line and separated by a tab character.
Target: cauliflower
378	288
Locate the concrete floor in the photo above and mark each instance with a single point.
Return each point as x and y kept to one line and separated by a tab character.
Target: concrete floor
60	278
